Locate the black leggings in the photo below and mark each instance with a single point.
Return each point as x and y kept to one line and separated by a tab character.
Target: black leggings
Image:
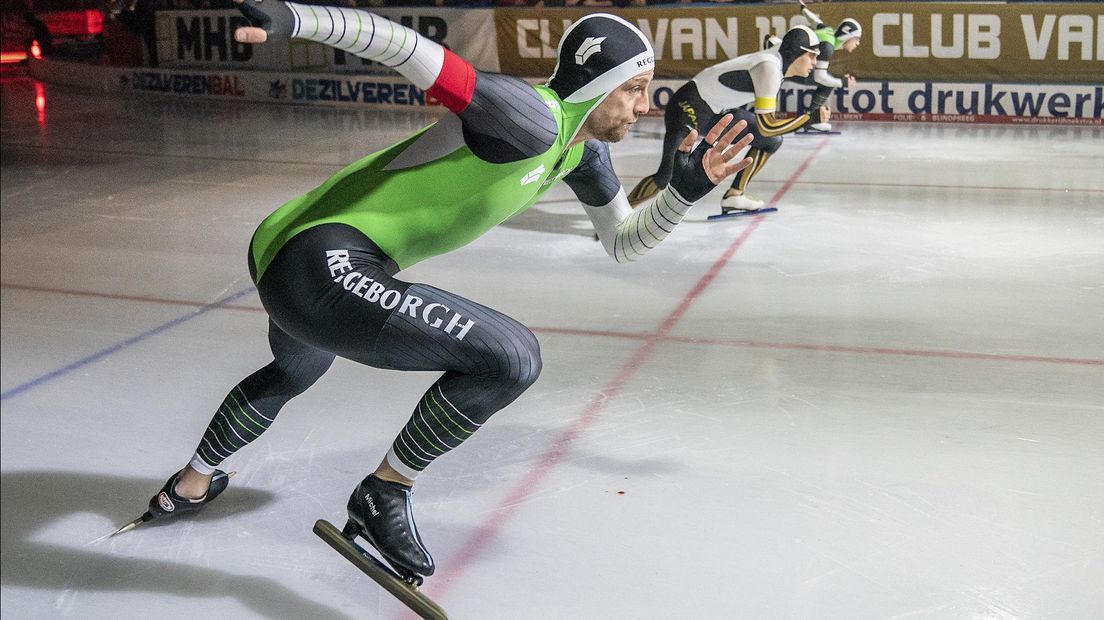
331	291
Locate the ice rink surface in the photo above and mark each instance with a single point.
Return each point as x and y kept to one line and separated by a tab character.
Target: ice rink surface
885	401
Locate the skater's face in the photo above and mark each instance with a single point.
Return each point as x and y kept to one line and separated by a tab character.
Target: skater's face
802	65
611	120
850	44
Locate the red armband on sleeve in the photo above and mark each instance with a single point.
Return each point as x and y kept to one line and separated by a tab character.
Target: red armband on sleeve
455	84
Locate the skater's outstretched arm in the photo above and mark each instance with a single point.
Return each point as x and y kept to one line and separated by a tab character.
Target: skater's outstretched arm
770	125
628	234
767	80
426	64
820	69
504	118
813	18
763	72
822	77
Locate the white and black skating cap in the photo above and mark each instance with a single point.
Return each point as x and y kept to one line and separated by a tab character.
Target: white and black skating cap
798	40
596	55
848	29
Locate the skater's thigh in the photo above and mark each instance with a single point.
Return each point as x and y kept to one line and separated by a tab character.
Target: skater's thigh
686	110
329	288
333	289
434	329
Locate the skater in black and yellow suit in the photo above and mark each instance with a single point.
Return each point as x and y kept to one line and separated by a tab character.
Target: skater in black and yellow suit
731	87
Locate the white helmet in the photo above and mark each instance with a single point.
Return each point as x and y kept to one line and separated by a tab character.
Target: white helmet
848	29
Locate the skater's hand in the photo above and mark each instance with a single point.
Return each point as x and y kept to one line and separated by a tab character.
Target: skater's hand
715	160
699	170
850	80
267	19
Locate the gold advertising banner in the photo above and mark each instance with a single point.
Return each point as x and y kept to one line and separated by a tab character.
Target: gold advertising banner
1025	42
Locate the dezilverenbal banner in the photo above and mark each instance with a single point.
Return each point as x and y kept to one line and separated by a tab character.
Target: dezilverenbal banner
1024	42
973	102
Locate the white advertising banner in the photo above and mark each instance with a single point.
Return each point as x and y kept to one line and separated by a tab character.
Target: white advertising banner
327	89
1065	104
205	40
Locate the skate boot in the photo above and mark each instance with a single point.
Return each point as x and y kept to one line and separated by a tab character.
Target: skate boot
381	512
168	504
822	127
734	201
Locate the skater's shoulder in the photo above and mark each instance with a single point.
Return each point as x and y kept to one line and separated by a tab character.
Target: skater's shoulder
767	57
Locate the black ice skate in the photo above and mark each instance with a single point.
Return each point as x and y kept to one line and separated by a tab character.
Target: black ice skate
381	512
168	504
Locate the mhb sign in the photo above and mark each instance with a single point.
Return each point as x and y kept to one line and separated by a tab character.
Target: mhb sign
205	40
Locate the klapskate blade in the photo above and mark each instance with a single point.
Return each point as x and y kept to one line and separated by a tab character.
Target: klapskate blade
379	572
133	524
736	214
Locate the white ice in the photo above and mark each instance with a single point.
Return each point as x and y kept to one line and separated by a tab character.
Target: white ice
886	400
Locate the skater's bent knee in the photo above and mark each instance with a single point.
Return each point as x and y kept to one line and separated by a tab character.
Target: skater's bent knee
520	360
528	364
294	374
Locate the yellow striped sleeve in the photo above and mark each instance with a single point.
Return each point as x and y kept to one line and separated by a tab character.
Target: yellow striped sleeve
770	126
